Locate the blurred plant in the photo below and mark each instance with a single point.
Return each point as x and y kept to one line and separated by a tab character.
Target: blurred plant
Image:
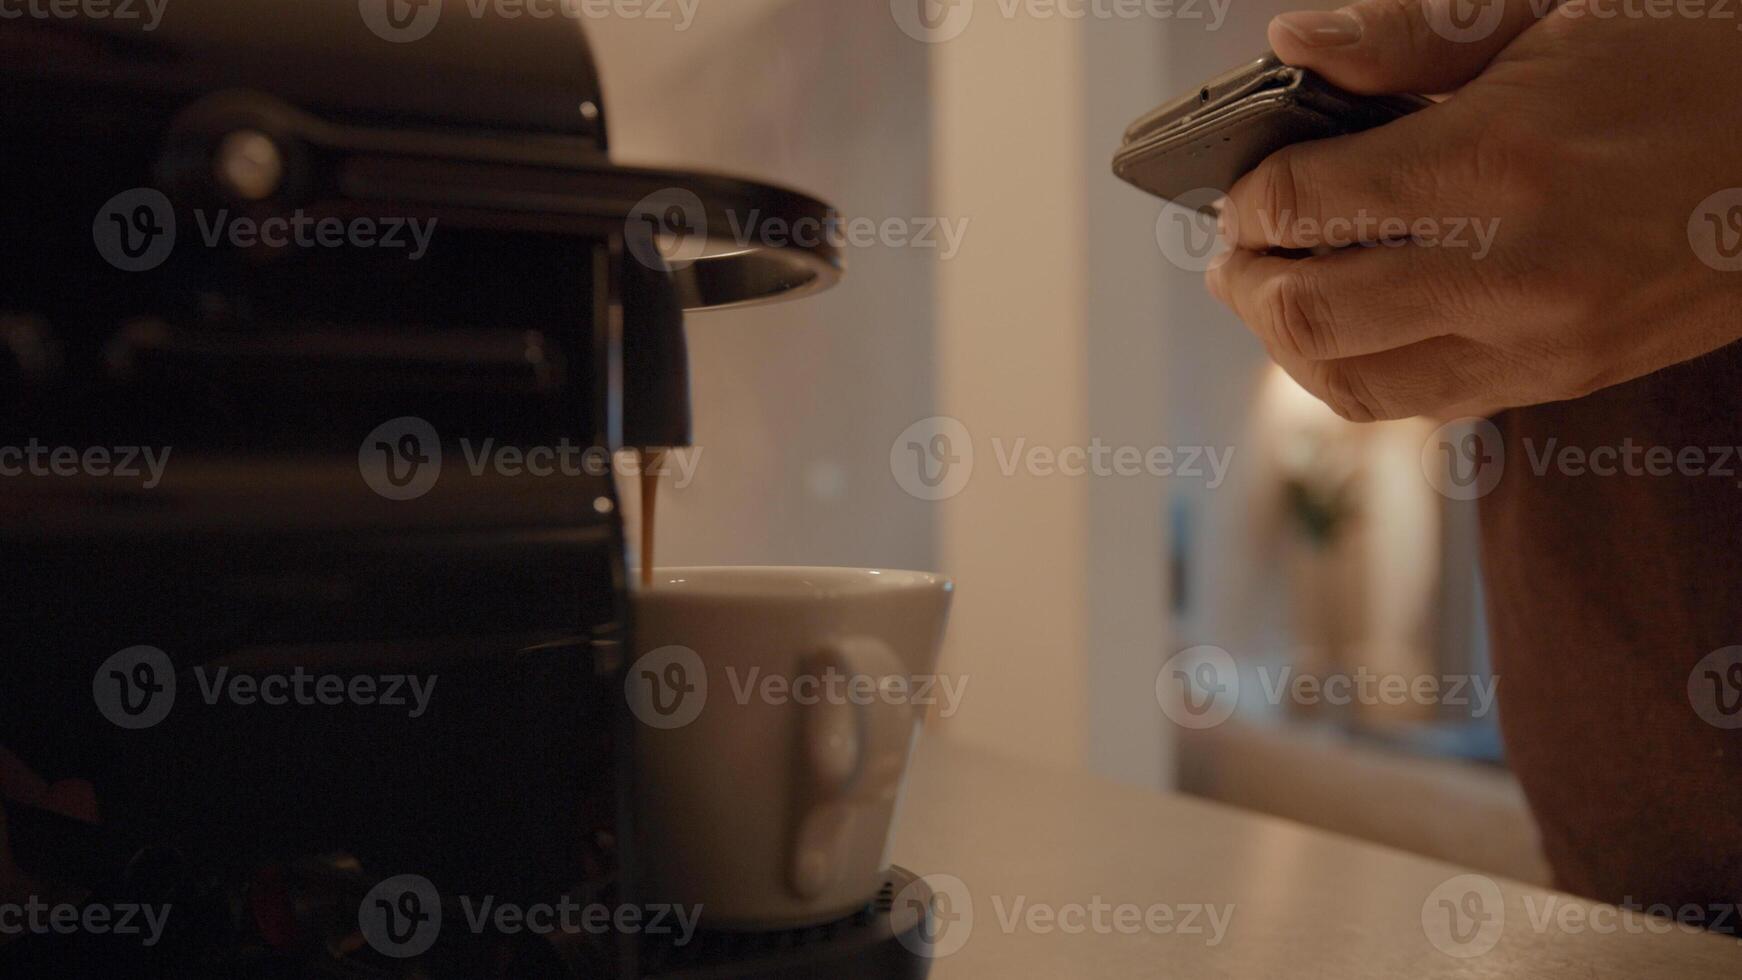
1320	488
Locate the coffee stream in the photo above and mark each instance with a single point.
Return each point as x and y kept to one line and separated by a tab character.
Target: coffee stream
648	462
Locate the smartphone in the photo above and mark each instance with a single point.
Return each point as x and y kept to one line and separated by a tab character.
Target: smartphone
1193	149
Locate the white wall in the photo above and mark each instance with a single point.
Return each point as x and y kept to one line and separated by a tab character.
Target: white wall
796	404
1048	332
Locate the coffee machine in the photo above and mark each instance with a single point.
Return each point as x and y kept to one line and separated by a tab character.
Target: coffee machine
295	295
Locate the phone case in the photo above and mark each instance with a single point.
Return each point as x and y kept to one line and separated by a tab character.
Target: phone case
1208	139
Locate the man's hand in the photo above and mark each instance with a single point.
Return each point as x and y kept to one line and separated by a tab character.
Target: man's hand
1558	225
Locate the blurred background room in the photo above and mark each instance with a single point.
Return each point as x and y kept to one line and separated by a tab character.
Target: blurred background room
1015	303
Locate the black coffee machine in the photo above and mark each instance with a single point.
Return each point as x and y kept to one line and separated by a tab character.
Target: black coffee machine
294	295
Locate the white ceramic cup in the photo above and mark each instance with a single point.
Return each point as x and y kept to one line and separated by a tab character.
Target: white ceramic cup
775	712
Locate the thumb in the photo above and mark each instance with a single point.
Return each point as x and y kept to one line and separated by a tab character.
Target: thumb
1401	46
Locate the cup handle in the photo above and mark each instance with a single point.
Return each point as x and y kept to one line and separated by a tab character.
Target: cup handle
856	736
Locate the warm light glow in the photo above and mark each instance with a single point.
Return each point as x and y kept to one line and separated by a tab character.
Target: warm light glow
1286	401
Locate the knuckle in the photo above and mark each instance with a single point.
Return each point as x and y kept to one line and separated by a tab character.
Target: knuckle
1283	192
1348	393
1417	37
1520	166
1577	369
1299	319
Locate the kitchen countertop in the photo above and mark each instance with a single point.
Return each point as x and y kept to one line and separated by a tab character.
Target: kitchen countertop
1055	874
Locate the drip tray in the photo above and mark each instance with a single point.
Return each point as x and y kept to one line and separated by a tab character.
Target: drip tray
887	939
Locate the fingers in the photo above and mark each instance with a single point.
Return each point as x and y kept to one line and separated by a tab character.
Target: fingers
1428	378
18	781
1401	46
1346	303
75	798
1367	330
1365	187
